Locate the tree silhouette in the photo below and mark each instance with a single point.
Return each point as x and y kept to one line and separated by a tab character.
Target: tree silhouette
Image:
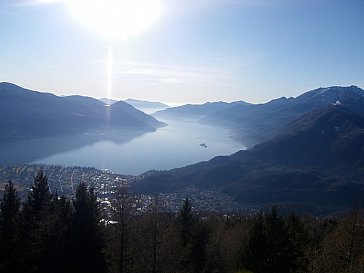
35	226
123	206
59	240
194	237
275	245
9	224
87	238
186	221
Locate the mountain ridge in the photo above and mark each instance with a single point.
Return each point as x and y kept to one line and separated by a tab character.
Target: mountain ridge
146	104
256	123
285	170
26	114
196	111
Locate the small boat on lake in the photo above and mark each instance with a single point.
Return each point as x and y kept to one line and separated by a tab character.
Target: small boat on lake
203	145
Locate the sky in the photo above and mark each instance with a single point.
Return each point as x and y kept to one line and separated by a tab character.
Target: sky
195	51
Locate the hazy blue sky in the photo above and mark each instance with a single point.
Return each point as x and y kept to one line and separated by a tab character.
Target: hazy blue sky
198	50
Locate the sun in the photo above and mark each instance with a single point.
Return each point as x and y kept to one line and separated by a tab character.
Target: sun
117	18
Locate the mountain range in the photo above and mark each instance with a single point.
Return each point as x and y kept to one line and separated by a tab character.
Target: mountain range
197	111
312	163
28	114
305	153
255	123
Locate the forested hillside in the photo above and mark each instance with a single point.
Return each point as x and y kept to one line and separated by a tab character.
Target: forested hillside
49	233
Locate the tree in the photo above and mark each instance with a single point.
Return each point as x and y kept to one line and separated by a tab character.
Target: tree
197	247
299	244
59	240
272	245
186	221
39	196
155	234
194	237
158	222
9	224
342	249
35	226
123	209
87	239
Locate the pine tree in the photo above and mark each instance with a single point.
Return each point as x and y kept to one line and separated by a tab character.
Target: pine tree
87	238
39	196
299	244
9	225
123	212
35	226
275	245
197	247
59	240
194	237
186	221
157	226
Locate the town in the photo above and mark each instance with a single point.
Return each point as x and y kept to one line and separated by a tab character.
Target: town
64	180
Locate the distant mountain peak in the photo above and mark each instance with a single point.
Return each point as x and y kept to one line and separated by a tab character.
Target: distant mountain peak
8	84
333	91
145	102
146	106
198	111
108	101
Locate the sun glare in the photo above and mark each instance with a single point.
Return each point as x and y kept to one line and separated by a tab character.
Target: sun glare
117	18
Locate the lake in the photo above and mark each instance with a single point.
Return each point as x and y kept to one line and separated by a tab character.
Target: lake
173	146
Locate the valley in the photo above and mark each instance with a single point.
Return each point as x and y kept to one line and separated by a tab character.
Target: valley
307	158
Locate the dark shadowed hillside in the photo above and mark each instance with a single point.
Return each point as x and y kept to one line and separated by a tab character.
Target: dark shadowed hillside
314	165
29	114
324	137
257	123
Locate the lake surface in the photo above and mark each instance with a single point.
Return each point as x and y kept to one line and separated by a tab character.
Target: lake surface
175	145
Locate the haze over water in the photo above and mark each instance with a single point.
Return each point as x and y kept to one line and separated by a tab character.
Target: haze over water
175	145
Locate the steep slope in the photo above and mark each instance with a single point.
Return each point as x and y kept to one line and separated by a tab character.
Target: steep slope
29	114
322	138
135	117
315	166
255	124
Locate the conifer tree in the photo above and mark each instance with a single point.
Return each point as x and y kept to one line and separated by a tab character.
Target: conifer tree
272	245
186	221
155	234
87	238
194	237
197	247
59	241
123	212
9	224
35	226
